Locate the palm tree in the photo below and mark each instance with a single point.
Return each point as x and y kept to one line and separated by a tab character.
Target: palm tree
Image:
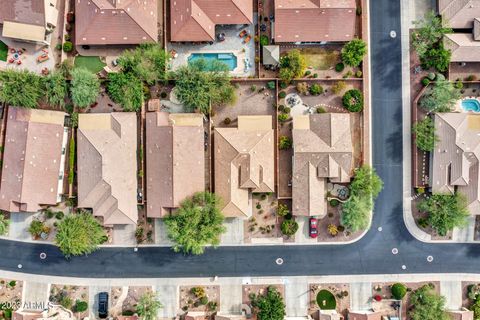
148	305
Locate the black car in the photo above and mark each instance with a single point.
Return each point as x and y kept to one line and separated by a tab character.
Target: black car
103	305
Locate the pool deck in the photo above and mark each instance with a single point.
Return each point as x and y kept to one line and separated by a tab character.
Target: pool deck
232	44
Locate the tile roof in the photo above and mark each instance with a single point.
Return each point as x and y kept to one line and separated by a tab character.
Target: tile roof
244	163
364	316
455	158
32	159
463	47
107	166
322	145
459	14
23	11
460	314
175	160
103	22
195	20
271	55
314	20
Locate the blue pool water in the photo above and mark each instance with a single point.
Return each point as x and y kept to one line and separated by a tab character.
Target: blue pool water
228	58
471	105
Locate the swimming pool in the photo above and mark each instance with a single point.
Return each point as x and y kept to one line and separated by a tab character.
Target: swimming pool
228	58
471	105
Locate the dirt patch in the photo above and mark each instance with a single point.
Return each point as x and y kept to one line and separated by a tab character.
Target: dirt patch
68	296
11	290
125	299
199	298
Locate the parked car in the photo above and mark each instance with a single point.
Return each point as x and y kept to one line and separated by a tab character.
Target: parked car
103	305
313	228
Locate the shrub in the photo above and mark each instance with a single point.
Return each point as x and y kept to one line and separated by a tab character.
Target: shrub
332	230
58	46
70	17
353	52
59	215
203	300
307	73
473	291
425	136
358	74
67	37
302	88
315	89
289	227
425	81
67	46
281	107
282	210
253	88
284	143
286	110
471	78
264	40
282	117
282	94
271	85
68	27
334	202
339	67
459	84
338	87
315	75
431	76
283	85
321	110
227	121
36	228
81	306
399	290
353	100
198	292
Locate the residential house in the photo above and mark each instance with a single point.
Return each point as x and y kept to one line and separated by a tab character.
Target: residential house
323	151
34	159
463	314
314	20
115	22
107	166
459	14
175	159
28	20
195	20
454	161
244	163
365	315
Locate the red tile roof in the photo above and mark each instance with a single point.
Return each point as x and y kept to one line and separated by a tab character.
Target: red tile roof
314	20
195	20
103	22
25	11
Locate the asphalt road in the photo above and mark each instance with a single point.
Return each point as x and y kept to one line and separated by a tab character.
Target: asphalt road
371	255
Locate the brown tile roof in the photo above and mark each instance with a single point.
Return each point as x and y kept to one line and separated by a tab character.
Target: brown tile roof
364	316
322	145
23	11
32	159
195	20
314	20
455	157
26	316
175	160
244	163
463	47
107	166
102	22
459	14
461	314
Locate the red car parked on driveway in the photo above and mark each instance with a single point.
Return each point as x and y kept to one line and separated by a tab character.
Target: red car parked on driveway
313	228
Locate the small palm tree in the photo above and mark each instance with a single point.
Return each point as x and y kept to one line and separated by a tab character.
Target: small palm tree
148	305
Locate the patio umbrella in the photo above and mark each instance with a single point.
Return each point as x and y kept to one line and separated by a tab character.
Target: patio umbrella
221	36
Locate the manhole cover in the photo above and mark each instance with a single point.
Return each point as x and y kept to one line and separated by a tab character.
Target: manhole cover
395	251
404	267
429	258
43	255
380	229
393	34
279	261
20	266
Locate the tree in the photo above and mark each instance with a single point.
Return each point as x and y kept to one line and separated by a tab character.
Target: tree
425	137
84	87
148	306
284	143
197	222
475	307
353	52
289	227
440	97
353	100
270	306
366	183
147	62
399	290
427	305
292	65
428	33
445	211
126	90
4	224
20	88
79	234
56	88
201	84
436	57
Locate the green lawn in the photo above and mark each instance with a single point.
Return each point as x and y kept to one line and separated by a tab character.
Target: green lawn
93	64
3	51
320	58
326	300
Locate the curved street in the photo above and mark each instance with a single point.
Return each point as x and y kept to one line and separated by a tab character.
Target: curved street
373	254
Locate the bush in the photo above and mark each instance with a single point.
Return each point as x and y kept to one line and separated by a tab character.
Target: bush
334	202
59	215
281	107
81	306
399	290
358	74
227	121
425	137
315	89
459	84
315	75
198	292
284	143
253	88
283	117
271	85
282	94
471	78
353	100
58	46
283	85
289	227
163	95
353	52
302	88
338	87
321	110
264	40
67	46
36	228
70	17
425	81
203	300
307	73
339	67
431	76
286	110
282	210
